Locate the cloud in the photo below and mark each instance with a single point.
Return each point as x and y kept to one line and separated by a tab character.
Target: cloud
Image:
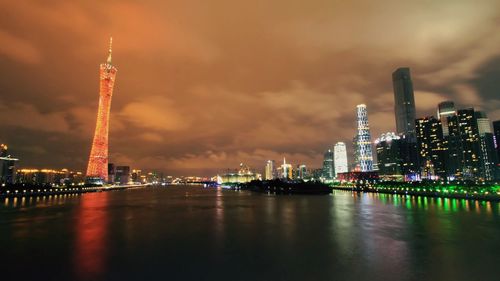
18	49
202	87
27	116
157	113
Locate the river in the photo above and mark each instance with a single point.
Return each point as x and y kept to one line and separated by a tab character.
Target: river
196	233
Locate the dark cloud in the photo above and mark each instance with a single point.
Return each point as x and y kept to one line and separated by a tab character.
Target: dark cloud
205	85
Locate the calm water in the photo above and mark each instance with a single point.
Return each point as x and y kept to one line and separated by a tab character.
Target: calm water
191	233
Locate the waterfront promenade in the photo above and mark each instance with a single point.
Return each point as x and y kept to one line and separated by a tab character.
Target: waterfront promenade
475	192
37	191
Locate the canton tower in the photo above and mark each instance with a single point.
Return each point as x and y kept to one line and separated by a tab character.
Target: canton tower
98	160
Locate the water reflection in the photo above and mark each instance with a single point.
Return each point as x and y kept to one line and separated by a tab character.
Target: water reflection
91	236
40	201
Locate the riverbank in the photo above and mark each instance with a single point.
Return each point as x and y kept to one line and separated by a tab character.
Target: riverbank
454	192
35	191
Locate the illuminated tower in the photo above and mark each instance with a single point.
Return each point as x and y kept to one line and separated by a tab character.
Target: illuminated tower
364	141
98	160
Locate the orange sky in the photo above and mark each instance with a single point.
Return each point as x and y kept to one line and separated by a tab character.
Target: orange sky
205	85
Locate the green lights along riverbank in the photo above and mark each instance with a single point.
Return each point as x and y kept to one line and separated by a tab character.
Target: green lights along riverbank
487	192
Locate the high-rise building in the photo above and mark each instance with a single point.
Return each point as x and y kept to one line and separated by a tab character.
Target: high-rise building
410	165
340	158
286	170
496	133
122	174
302	172
388	148
455	153
470	144
98	160
404	102
431	148
445	109
364	143
496	136
7	166
328	167
488	155
270	170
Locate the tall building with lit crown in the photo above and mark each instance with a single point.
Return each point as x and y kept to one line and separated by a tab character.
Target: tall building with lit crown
328	165
7	166
98	160
363	141
302	172
388	147
446	109
285	170
404	102
270	170
340	158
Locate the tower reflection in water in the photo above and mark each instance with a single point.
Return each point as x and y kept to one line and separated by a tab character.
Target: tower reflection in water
90	255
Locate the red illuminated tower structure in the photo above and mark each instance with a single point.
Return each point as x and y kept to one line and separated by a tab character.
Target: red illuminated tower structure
98	160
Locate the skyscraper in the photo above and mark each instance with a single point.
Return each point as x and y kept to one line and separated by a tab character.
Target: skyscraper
7	166
270	170
488	155
431	149
404	102
328	168
98	160
388	148
286	170
496	135
302	171
340	158
363	141
471	144
445	109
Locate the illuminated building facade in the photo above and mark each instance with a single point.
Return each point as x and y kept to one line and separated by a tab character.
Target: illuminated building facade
243	175
388	147
7	166
488	155
270	170
404	102
446	109
363	140
285	170
98	160
328	165
340	158
48	176
137	176
432	152
470	144
302	172
496	133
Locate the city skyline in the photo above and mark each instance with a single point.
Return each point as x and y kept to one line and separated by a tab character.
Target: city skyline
186	107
